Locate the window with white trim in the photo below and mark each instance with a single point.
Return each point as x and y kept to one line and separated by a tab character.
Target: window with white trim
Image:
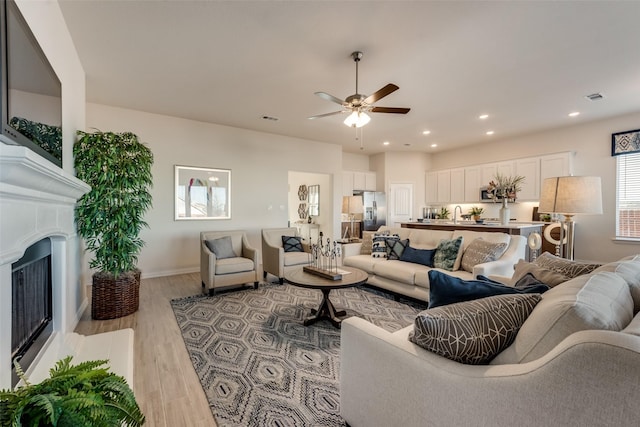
628	196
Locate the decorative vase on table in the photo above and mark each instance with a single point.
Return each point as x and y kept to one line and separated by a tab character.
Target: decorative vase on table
505	213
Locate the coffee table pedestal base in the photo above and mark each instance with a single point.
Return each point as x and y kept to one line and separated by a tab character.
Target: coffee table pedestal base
326	310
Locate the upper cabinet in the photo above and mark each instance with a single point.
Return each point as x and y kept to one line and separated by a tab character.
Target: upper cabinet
464	184
530	169
358	181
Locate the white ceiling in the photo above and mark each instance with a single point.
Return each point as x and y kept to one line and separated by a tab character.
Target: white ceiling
526	64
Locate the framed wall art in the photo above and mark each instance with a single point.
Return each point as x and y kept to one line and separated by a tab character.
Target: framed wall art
202	193
625	142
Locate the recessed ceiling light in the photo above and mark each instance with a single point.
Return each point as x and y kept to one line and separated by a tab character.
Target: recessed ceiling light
426	132
386	143
490	132
574	114
483	116
434	145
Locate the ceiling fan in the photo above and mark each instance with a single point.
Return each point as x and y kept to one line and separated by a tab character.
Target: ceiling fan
359	105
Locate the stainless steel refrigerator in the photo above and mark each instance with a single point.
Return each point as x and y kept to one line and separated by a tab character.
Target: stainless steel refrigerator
375	210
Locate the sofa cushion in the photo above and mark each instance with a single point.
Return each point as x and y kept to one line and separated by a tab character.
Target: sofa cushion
473	332
418	256
630	272
233	265
367	242
447	253
363	262
598	301
445	289
427	239
395	248
395	270
546	276
222	247
292	244
565	266
480	251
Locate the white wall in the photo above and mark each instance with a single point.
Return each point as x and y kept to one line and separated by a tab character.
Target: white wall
259	163
355	162
50	30
591	143
405	167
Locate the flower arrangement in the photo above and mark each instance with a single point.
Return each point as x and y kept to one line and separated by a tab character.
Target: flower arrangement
475	212
505	187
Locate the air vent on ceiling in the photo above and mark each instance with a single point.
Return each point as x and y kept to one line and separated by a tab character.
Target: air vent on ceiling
273	119
594	97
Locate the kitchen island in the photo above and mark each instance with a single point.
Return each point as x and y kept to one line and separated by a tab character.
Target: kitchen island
513	228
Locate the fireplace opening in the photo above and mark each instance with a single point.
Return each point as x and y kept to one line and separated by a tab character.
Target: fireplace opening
31	319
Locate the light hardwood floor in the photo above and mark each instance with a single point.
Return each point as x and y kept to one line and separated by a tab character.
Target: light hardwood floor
165	384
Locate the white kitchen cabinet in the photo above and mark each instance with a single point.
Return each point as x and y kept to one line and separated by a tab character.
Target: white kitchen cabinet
457	185
370	181
431	187
559	164
358	181
487	173
347	183
444	186
529	168
507	168
472	184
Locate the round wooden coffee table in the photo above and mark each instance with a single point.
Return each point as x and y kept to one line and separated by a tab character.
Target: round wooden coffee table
326	310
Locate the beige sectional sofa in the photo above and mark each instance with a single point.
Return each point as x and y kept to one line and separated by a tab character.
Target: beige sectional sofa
575	362
411	279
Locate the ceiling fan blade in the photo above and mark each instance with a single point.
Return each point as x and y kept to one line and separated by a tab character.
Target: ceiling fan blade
326	115
331	98
381	93
390	110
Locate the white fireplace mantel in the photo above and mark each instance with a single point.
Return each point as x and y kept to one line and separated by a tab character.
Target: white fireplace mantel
37	201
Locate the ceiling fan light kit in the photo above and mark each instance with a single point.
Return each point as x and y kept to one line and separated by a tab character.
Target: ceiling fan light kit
359	105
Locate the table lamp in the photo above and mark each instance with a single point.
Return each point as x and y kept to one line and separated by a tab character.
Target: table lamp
569	196
352	205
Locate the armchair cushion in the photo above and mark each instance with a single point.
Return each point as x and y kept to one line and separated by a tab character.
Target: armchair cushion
222	247
233	265
292	244
473	332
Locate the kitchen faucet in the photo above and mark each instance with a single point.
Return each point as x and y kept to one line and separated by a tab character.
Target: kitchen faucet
455	218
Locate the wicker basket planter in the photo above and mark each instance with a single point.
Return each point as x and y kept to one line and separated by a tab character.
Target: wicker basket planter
115	297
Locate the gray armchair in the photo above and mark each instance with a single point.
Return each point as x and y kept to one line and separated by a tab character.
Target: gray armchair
274	259
235	264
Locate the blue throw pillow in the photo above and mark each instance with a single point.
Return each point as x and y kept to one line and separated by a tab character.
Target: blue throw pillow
445	289
418	256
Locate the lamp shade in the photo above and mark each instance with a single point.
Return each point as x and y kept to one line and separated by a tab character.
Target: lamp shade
352	205
571	195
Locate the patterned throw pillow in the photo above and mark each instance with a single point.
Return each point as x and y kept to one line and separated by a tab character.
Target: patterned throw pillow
292	244
546	276
480	251
395	248
380	242
564	266
446	253
367	242
473	332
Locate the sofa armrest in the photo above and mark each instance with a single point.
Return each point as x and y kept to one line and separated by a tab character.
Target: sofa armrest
387	380
503	266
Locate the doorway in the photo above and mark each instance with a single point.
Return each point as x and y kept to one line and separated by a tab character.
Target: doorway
400	203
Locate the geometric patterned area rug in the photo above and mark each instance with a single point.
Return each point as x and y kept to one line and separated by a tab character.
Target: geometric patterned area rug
260	366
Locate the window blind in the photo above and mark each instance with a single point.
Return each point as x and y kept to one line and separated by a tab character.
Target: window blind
628	196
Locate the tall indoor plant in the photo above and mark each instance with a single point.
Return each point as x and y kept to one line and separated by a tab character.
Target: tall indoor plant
110	217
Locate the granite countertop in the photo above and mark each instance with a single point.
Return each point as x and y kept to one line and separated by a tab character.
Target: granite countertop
486	224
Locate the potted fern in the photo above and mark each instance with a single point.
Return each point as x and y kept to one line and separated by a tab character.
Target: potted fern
110	217
74	395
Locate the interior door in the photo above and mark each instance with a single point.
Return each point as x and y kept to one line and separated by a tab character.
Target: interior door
400	203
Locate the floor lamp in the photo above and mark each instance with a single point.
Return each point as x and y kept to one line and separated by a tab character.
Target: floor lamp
569	196
352	205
